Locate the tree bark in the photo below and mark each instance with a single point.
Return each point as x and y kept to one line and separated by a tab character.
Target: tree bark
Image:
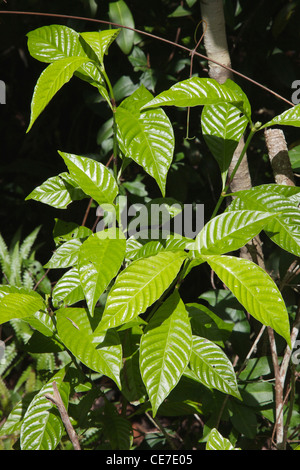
279	157
216	46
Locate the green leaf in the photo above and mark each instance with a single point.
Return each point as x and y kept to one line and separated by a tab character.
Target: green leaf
20	305
92	177
254	289
291	117
216	441
207	324
103	355
165	349
222	128
55	42
230	231
58	191
212	367
283	229
133	387
120	13
50	82
139	286
117	429
65	255
243	419
99	260
65	231
100	41
197	91
41	322
258	394
68	290
146	137
42	427
153	247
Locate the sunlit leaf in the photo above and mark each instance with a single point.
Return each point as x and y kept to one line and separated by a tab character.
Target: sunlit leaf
102	355
68	290
146	137
198	91
99	260
222	128
291	117
42	427
139	286
212	367
230	231
165	349
254	289
216	441
100	41
92	177
58	191
50	82
20	305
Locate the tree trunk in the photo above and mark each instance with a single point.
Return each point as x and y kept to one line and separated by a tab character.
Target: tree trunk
216	46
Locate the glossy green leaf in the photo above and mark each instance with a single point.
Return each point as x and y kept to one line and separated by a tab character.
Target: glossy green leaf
254	289
20	305
65	231
216	441
101	354
55	42
99	260
165	349
116	428
222	128
139	286
92	177
50	82
230	231
42	322
58	191
212	367
146	137
283	229
42	427
197	91
100	41
119	13
155	246
291	117
68	290
66	255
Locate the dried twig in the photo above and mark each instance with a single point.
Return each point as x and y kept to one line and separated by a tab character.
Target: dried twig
57	400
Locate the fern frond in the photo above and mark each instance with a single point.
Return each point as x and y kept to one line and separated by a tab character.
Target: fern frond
28	242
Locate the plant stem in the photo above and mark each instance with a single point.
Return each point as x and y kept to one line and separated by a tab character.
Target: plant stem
57	400
158	425
224	192
114	108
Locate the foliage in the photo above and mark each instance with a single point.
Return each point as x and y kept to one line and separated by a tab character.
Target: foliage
116	321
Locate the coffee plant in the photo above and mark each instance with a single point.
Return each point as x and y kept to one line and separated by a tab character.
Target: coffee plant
120	340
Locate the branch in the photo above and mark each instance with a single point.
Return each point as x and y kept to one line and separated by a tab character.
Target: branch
57	401
153	36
